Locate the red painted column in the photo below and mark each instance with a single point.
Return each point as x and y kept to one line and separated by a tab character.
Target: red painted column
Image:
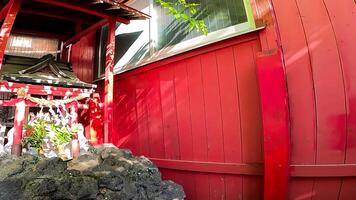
275	116
109	82
14	6
20	115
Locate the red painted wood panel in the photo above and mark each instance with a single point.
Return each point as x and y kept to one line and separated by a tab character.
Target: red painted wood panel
250	113
190	110
198	123
213	121
318	54
82	57
193	105
169	113
342	15
329	91
300	91
230	112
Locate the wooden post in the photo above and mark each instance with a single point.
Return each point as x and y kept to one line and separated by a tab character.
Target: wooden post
20	116
13	9
109	82
275	117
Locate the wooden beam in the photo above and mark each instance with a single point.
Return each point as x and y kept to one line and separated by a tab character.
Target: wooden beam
323	171
109	83
83	9
14	7
85	32
28	103
4	11
42	89
51	15
275	118
209	167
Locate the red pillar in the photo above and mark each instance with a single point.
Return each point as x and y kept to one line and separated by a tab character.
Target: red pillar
14	6
109	82
275	117
20	115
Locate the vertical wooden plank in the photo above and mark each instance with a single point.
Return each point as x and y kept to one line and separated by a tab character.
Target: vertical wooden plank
251	122
230	117
155	127
183	111
169	113
125	115
142	116
213	121
273	94
300	91
329	90
184	124
329	84
342	15
197	114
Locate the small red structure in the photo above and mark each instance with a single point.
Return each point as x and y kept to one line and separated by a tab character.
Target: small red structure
84	14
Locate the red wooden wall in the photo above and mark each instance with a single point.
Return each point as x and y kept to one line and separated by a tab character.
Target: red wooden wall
82	57
319	44
198	117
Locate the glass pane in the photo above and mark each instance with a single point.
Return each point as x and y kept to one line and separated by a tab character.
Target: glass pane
217	14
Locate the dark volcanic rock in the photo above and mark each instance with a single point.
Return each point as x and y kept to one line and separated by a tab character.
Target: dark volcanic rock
106	173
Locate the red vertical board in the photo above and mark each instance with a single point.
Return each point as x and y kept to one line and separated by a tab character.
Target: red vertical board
273	93
329	90
301	92
142	116
230	118
213	121
169	113
153	102
251	122
183	111
126	115
197	114
342	15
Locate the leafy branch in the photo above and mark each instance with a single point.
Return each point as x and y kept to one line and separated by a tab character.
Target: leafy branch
178	10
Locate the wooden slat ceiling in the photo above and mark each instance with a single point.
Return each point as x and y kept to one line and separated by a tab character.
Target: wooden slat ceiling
36	16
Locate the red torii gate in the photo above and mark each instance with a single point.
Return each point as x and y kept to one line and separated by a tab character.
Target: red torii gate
9	13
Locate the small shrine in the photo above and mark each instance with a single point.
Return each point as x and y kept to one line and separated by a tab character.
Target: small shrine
40	97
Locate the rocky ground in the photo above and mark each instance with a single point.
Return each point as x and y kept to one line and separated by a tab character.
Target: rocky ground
105	173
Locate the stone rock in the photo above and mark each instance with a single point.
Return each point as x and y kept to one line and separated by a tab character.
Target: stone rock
105	173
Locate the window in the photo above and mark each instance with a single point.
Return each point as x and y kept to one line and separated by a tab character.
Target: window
145	41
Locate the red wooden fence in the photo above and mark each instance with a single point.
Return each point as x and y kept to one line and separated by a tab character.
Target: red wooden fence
197	115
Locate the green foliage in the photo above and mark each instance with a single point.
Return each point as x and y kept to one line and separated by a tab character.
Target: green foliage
178	10
36	136
63	135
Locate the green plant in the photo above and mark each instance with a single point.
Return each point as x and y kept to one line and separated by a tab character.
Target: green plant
63	135
37	133
178	9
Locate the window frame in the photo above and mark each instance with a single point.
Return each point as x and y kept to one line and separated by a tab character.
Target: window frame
194	43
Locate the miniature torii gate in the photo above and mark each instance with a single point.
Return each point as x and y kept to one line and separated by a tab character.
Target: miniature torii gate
9	13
